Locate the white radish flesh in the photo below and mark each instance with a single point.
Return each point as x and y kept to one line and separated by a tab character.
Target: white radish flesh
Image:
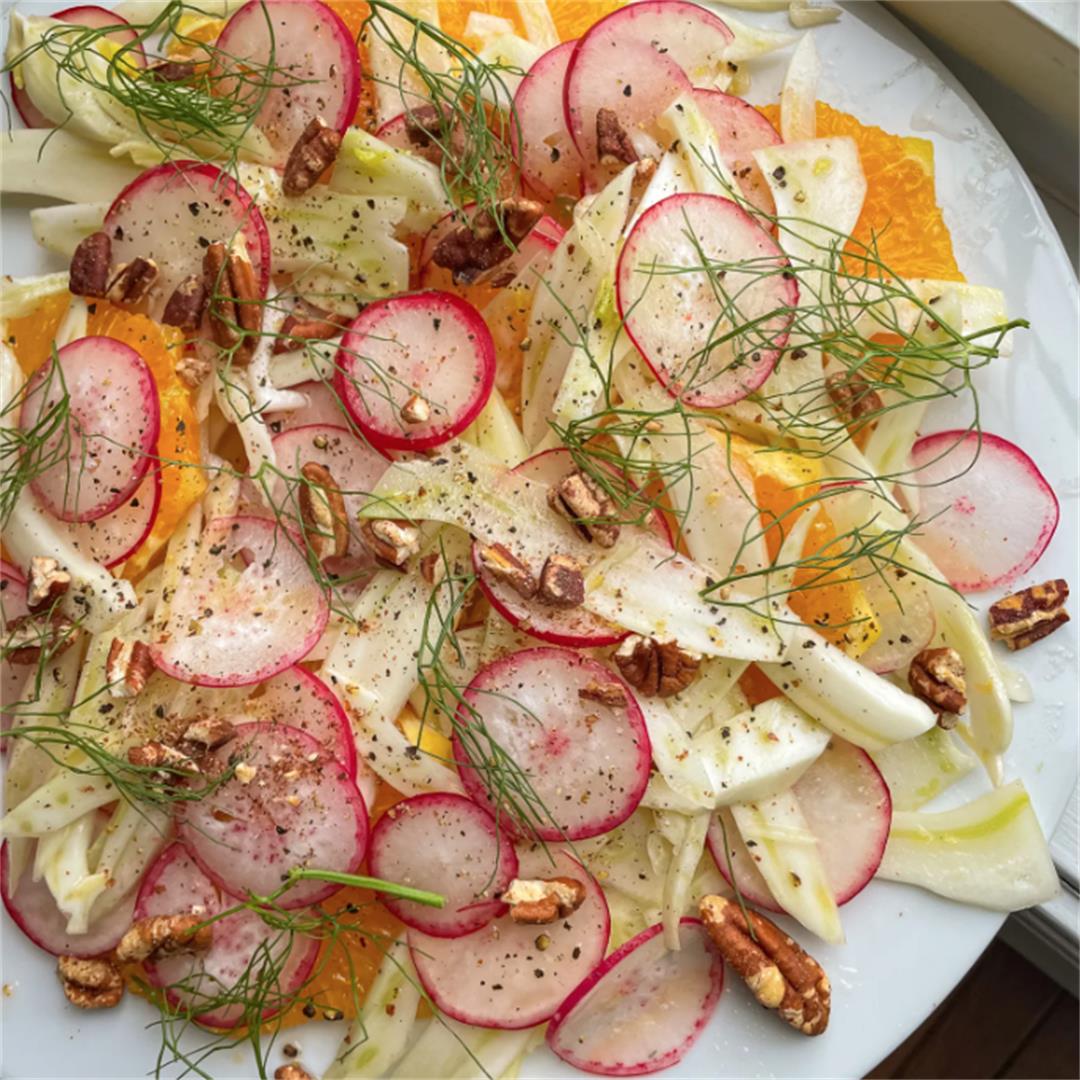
323	406
98	445
905	616
116	536
586	762
642	1009
989	512
298	808
246	608
12	606
449	845
673	307
513	975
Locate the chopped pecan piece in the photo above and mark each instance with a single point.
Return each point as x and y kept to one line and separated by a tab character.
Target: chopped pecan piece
1025	617
585	504
390	540
164	935
292	1071
475	247
433	568
192	370
308	323
937	677
503	565
132	282
425	128
852	395
562	583
613	145
778	971
315	151
608	693
210	732
158	755
48	581
29	634
89	273
127	667
184	309
171	71
416	410
544	900
90	984
322	512
656	668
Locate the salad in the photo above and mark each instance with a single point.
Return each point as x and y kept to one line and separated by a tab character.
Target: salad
478	567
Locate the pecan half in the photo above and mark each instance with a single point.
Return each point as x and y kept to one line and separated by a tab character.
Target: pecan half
477	246
184	309
778	971
322	512
426	126
315	151
416	410
391	540
48	581
164	935
852	395
562	583
89	272
234	299
90	984
937	677
292	1071
613	145
210	732
1024	617
171	71
503	565
132	282
656	668
158	755
28	635
607	693
127	667
585	504
543	900
308	323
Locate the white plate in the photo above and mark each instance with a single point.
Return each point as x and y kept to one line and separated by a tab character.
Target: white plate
906	949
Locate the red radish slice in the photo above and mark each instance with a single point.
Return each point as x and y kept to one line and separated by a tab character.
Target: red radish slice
510	975
572	627
395	132
315	68
673	312
115	537
34	911
96	406
449	845
299	808
902	606
636	62
95	18
301	699
545	153
12	605
988	511
323	407
430	346
242	944
847	807
643	1008
248	608
587	762
172	212
740	130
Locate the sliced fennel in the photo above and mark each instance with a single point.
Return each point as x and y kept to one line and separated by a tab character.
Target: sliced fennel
798	95
693	140
62	860
21	296
990	852
754	41
682	870
496	433
60	165
60	229
920	769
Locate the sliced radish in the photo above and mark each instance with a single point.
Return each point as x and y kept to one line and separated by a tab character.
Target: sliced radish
299	808
573	627
395	132
33	909
306	53
642	1008
243	946
542	145
94	18
323	407
449	845
96	410
115	537
587	762
847	806
12	606
431	350
636	62
905	613
740	130
246	608
301	699
673	311
511	975
988	512
173	212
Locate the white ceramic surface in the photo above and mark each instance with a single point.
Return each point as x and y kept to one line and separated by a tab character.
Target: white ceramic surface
906	949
